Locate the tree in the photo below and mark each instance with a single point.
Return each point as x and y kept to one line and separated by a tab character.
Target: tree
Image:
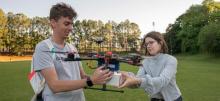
108	35
133	35
211	5
3	28
19	25
39	30
128	34
187	29
191	23
123	29
22	25
78	34
209	38
7	40
173	42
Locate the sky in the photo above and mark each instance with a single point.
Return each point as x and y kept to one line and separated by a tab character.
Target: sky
141	12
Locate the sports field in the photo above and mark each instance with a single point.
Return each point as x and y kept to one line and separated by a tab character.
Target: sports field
197	77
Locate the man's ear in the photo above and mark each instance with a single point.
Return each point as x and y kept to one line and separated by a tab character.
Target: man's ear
52	23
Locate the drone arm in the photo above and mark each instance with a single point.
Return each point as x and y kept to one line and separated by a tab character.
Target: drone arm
130	62
124	61
79	59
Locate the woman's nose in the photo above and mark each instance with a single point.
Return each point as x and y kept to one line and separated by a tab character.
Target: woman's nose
148	45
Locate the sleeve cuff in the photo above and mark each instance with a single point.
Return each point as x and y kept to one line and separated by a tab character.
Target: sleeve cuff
143	82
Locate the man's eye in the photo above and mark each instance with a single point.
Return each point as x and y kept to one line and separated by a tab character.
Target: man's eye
66	24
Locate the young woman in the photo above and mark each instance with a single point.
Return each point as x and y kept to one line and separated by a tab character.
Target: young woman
157	76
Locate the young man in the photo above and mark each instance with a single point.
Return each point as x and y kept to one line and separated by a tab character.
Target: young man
64	79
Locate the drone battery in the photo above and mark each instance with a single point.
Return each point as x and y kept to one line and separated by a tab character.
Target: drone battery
101	61
113	64
115	80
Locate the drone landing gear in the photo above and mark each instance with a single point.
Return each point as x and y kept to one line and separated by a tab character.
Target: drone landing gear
105	89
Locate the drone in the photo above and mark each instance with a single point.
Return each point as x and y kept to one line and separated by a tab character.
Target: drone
108	60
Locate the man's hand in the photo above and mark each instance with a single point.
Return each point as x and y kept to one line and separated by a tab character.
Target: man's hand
100	75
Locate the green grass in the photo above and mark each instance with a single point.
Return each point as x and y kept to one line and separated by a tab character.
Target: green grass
14	85
197	78
128	95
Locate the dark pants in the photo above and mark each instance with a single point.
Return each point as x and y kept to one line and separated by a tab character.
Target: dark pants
179	99
39	97
155	99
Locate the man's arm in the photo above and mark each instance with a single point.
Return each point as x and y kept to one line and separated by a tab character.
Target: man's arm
82	73
56	85
99	77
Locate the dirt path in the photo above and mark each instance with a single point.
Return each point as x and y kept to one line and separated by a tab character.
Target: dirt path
14	58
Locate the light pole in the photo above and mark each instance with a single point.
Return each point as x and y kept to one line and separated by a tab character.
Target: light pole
153	24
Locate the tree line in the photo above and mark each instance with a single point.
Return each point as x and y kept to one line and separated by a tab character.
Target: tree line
197	30
19	34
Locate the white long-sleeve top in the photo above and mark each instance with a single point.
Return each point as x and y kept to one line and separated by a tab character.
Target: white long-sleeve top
158	77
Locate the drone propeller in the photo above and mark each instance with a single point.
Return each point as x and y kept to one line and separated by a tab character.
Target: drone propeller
133	60
60	52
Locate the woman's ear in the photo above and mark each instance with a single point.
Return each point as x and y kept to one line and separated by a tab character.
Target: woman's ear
161	43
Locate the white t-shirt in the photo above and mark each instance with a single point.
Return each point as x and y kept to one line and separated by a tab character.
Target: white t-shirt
66	70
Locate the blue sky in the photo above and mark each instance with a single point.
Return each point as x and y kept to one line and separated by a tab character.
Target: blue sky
142	12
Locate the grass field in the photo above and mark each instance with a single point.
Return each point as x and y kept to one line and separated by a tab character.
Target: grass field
197	78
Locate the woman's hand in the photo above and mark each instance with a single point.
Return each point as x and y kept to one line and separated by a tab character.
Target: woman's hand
129	80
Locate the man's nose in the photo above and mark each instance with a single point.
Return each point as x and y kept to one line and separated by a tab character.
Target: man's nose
71	27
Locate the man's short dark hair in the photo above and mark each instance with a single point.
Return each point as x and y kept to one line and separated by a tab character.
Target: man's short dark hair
62	9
